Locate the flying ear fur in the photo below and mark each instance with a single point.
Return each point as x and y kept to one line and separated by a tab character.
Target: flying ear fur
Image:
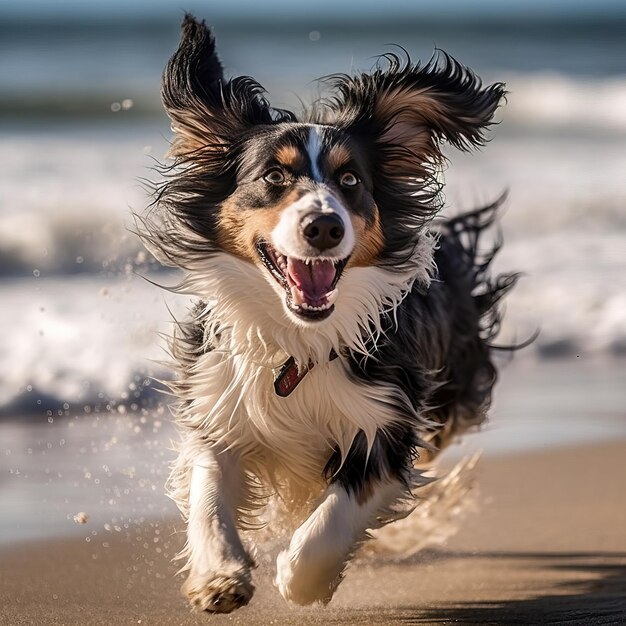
409	109
207	111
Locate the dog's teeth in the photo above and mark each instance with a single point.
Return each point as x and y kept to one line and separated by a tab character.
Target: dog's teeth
332	297
310	307
296	297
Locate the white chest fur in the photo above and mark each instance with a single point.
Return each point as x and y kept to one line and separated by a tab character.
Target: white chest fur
236	406
229	394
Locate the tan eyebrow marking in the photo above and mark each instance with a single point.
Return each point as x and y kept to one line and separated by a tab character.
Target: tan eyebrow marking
290	157
338	157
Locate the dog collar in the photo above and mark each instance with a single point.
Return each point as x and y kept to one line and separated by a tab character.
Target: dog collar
288	377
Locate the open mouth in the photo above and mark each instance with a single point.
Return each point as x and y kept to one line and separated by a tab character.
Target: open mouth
310	286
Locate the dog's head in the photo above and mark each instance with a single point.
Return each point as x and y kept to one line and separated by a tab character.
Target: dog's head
350	185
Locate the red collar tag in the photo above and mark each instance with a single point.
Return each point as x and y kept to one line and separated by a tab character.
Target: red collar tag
288	377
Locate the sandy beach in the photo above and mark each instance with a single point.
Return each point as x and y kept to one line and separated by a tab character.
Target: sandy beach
547	544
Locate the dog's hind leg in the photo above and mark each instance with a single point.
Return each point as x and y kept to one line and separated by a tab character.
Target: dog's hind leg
219	566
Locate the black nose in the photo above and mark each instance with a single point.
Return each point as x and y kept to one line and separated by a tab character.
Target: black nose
324	231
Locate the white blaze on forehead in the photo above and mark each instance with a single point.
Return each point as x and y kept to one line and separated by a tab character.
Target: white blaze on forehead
314	148
287	237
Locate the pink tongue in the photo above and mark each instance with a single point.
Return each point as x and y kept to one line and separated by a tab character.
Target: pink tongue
314	280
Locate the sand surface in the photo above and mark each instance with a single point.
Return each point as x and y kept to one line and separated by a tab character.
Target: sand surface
546	545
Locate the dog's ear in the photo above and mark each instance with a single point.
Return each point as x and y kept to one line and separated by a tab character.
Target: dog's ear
408	110
207	111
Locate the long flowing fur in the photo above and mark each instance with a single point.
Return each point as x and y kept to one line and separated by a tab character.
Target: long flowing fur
412	323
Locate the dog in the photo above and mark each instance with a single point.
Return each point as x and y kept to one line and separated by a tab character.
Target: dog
342	334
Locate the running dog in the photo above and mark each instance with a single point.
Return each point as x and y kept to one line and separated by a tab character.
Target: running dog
342	332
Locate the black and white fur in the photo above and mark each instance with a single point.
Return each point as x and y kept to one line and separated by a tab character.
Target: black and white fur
410	315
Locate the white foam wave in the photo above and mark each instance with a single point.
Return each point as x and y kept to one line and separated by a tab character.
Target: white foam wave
85	341
65	198
555	101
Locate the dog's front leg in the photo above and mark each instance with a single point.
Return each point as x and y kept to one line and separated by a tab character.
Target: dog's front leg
312	567
219	567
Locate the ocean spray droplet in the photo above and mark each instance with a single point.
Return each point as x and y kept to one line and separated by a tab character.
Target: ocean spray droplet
81	518
315	35
127	103
36	273
116	107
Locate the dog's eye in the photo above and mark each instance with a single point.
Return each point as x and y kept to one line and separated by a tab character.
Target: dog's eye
348	179
274	176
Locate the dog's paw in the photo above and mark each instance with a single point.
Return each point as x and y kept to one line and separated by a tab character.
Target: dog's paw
305	583
219	593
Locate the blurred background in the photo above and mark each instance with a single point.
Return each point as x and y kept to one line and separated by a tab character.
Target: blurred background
81	124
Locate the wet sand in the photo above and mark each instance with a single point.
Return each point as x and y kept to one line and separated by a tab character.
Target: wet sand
546	545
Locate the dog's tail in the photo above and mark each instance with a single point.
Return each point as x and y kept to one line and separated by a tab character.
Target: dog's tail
467	247
467	233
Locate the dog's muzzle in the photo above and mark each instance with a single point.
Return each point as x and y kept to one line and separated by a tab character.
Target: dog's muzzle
307	252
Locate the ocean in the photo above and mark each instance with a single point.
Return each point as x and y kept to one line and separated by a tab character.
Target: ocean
81	126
